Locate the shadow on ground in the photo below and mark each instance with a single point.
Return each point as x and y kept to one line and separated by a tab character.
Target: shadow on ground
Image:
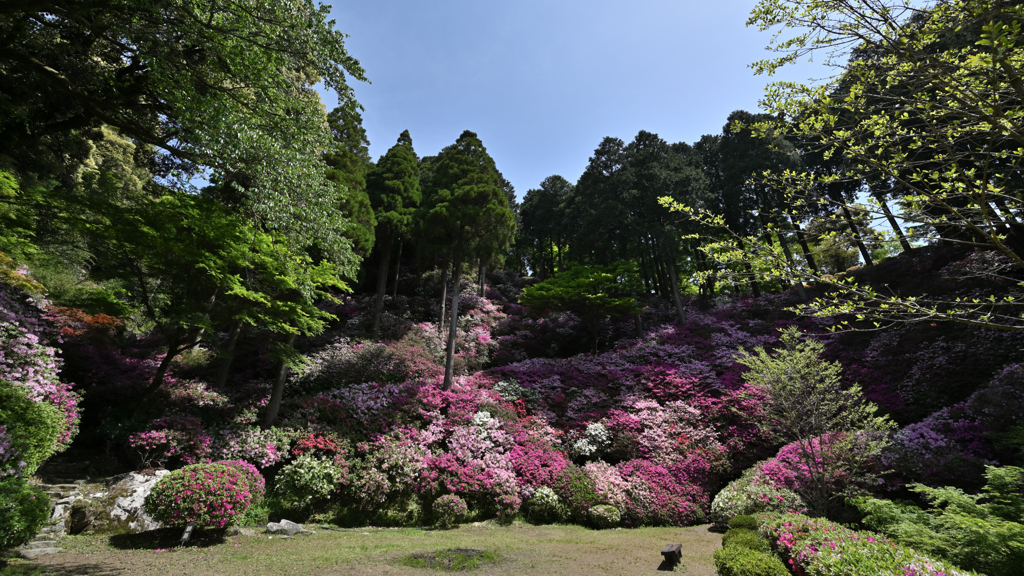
167	538
33	569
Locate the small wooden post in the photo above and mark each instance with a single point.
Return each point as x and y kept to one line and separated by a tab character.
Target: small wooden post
673	553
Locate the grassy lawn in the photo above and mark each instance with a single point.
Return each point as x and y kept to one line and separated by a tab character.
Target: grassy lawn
520	549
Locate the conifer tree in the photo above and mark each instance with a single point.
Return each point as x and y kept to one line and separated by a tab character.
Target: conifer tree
394	190
347	165
465	217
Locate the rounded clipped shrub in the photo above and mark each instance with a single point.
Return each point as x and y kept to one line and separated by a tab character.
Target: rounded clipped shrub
544	507
309	479
254	480
604	516
507	507
449	510
203	494
577	492
33	427
743	521
744	538
23	511
738	561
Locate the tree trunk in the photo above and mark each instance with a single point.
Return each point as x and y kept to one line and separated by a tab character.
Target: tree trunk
449	361
398	267
904	243
856	236
483	281
802	238
227	356
675	292
797	282
382	281
754	286
274	406
444	299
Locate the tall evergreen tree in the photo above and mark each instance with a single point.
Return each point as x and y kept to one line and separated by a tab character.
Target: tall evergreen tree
465	217
348	161
394	190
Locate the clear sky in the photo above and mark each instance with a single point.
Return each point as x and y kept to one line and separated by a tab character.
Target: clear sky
542	82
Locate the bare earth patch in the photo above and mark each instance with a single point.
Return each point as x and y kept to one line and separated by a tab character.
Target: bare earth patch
523	550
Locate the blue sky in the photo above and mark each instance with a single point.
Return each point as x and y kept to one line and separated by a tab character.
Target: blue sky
542	82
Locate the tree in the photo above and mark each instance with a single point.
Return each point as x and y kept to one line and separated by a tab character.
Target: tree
936	111
224	87
465	217
348	161
394	187
543	225
805	401
592	293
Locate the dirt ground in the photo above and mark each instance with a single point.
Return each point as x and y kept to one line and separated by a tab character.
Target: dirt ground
524	550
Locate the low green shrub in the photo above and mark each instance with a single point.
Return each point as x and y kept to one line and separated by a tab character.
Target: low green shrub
577	492
33	427
24	509
309	480
739	561
983	532
743	521
203	494
544	507
745	496
604	516
744	538
817	547
449	510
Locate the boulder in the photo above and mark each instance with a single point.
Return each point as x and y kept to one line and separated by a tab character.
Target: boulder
286	528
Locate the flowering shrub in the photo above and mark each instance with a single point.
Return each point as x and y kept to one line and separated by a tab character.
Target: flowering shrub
814	547
309	480
750	495
655	497
173	436
544	506
252	444
203	494
507	506
255	483
10	463
448	510
388	471
577	492
604	516
801	467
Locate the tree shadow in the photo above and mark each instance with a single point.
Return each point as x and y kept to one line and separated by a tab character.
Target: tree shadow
167	538
33	569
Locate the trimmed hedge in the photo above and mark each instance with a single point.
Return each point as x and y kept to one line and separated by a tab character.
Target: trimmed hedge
744	538
738	561
34	427
743	521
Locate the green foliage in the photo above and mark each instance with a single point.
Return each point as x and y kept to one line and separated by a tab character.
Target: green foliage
544	507
309	480
742	496
604	516
983	532
24	509
225	86
743	521
592	293
449	510
577	492
34	427
347	164
805	399
394	189
740	561
744	538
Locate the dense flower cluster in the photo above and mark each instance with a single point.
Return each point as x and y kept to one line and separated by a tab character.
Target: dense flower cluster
816	547
201	494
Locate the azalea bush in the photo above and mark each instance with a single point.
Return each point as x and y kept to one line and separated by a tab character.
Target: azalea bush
817	547
448	510
24	509
201	494
310	480
750	494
